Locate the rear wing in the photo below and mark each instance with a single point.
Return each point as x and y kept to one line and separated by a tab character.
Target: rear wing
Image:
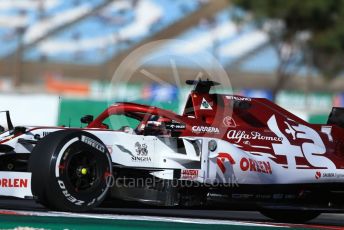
336	117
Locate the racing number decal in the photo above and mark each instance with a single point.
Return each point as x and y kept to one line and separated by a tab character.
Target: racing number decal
310	151
285	148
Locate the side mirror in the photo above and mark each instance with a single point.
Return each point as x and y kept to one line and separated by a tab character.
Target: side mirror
86	119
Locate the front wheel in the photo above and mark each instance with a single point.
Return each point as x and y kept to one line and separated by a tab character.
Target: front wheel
70	170
290	216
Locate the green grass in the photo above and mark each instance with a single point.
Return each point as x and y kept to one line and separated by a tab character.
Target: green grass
57	223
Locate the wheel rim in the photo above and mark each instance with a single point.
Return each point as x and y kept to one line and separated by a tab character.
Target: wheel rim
82	171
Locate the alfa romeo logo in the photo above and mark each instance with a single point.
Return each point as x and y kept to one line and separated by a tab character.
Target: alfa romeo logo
228	121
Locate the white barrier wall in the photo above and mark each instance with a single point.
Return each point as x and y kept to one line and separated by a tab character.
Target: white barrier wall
28	109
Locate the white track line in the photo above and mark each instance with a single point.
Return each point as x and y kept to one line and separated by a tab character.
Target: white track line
141	218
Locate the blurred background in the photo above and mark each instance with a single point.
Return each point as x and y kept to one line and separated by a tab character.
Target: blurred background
57	58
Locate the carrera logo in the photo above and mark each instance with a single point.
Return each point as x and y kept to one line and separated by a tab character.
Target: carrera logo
248	164
13	183
93	143
205	129
239	135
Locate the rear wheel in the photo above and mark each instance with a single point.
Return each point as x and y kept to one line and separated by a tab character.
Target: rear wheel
70	170
290	216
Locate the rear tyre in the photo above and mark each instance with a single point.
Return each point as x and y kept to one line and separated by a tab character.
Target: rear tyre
290	216
70	171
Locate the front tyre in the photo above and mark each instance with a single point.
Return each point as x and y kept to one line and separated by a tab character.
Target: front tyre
70	171
290	216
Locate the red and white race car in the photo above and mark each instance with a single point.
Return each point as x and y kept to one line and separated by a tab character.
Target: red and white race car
224	151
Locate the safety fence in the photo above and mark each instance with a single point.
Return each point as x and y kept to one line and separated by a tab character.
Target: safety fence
51	109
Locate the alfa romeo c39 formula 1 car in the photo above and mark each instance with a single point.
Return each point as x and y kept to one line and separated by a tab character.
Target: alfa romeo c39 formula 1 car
226	151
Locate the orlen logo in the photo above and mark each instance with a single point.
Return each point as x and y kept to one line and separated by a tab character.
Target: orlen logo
247	164
13	183
317	175
221	158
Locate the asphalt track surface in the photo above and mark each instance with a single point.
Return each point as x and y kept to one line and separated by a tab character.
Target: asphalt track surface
325	221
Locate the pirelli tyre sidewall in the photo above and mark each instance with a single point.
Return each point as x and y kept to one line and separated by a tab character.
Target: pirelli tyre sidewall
79	170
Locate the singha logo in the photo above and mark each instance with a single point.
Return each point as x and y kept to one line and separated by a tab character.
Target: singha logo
141	153
141	150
